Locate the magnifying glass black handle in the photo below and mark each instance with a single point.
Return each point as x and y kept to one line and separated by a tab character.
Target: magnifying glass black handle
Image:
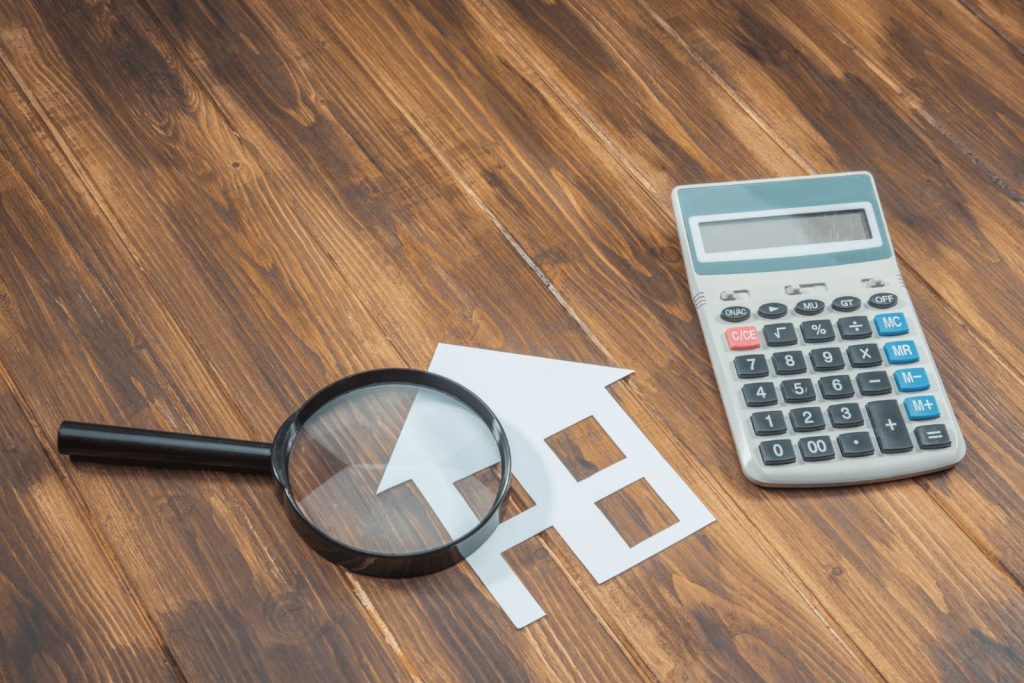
121	446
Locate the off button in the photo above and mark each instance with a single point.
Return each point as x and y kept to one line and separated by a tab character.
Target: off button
882	300
735	314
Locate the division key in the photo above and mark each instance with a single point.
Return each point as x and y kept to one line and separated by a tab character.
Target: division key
890	429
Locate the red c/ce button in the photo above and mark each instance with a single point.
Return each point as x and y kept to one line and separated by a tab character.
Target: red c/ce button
744	337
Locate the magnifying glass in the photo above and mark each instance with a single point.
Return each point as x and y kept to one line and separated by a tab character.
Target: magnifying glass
379	471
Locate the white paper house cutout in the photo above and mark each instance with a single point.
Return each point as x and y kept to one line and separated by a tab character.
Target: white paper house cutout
535	398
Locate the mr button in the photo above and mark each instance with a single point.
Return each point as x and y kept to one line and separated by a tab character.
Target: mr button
741	338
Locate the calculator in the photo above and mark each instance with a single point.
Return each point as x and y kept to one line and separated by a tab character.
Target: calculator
821	361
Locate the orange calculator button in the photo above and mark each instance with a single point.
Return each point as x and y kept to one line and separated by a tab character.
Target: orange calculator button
741	338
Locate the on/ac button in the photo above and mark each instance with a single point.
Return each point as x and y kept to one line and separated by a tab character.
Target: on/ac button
742	338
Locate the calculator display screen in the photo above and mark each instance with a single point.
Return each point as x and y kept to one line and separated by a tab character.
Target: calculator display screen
765	232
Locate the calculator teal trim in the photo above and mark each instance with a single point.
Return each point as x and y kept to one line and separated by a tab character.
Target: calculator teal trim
696	201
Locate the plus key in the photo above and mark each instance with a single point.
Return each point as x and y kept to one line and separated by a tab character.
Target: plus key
890	430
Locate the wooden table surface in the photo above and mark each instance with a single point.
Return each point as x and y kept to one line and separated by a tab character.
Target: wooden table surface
208	210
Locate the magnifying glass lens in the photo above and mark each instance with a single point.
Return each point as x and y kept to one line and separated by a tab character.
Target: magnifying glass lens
393	468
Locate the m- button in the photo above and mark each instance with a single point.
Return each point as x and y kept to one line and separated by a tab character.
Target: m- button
742	338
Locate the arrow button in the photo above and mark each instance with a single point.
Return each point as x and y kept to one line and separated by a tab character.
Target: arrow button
772	310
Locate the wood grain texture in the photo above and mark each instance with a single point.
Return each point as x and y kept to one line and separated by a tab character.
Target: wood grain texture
209	210
206	538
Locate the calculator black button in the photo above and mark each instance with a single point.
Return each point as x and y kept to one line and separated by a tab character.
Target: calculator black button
932	436
760	394
845	304
845	415
748	367
777	452
835	386
882	300
810	307
772	310
779	334
735	314
874	383
789	362
807	419
816	448
890	430
814	331
854	327
827	359
768	422
855	444
864	355
797	390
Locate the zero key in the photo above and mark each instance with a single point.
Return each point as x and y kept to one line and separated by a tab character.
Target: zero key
742	338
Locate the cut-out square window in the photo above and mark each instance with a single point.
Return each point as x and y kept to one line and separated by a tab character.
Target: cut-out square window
480	488
637	512
584	448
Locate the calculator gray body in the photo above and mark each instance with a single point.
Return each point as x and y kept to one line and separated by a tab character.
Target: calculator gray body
738	215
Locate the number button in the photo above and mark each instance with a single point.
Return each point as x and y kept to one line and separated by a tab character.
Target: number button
864	355
748	367
742	338
810	307
854	327
807	419
815	331
768	422
735	314
772	310
882	300
845	415
789	363
891	324
836	386
873	383
816	448
827	359
890	430
846	304
932	436
778	452
855	444
901	352
911	379
760	394
779	334
797	390
918	408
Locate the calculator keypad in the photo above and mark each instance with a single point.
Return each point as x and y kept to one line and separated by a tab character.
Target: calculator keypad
838	374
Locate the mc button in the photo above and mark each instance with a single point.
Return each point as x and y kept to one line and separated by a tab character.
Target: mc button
742	338
891	324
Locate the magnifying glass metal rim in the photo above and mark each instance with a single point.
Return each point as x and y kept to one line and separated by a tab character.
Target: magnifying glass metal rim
391	565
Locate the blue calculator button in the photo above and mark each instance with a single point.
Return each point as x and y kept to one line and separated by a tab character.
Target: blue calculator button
891	324
911	379
921	408
901	352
